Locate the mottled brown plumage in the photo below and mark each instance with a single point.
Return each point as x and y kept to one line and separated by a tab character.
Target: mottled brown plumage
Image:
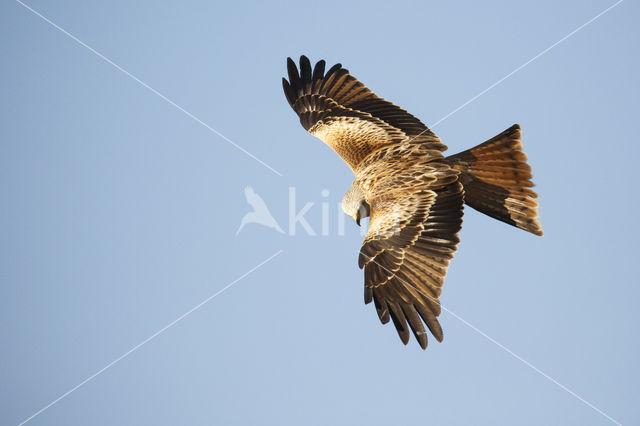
413	194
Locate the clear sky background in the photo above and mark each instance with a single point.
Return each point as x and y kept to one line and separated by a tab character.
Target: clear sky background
119	213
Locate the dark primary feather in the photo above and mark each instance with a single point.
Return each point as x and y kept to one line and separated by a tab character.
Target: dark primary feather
306	89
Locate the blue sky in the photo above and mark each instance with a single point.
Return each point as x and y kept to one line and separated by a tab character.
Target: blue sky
119	215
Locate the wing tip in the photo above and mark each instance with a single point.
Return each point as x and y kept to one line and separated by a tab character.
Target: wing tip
300	76
422	339
288	91
290	61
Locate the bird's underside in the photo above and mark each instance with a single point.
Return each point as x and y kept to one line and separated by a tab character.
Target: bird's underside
415	194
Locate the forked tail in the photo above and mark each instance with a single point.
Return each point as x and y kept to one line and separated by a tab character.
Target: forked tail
497	180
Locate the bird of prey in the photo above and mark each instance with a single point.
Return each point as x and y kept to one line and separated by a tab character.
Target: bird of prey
412	194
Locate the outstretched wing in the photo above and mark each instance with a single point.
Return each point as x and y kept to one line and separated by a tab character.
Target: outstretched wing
346	115
411	239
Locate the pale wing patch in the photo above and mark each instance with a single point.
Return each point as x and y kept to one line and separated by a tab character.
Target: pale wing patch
353	138
396	221
389	216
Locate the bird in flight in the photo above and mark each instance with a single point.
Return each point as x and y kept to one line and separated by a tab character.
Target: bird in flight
412	194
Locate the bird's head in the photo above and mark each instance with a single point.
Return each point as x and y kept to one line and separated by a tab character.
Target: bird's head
354	203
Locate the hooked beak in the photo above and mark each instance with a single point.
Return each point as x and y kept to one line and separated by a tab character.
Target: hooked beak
357	219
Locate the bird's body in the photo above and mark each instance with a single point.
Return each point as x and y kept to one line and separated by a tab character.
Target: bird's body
413	194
